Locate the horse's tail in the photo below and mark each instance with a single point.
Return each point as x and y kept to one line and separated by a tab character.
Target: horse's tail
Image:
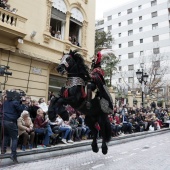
105	127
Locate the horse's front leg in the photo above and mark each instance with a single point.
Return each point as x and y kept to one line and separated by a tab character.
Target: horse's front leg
91	124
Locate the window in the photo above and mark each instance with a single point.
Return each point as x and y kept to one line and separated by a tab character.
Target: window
130	55
119	14
109	18
130	32
119	24
130	79
120	80
155	38
140	29
130	21
154	26
120	45
100	30
140	6
141	53
120	34
156	63
153	3
130	67
130	43
154	14
140	18
109	28
120	68
156	50
141	40
129	11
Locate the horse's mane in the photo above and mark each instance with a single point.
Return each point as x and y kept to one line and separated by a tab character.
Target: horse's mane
82	67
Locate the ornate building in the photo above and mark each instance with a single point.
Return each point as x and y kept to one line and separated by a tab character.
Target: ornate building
33	39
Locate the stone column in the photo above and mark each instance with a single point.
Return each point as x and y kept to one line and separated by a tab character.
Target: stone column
84	34
148	100
139	99
67	26
130	99
163	104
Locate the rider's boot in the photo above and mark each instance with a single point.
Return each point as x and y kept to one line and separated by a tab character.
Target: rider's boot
89	96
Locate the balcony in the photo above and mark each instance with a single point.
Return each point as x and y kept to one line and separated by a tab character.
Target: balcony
11	25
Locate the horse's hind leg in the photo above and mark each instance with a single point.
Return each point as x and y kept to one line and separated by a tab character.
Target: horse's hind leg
105	128
91	124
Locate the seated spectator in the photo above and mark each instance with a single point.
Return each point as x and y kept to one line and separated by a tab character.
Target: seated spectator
25	129
33	109
41	126
85	129
66	129
126	125
76	131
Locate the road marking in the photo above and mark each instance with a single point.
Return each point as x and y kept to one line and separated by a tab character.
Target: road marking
135	149
108	157
123	153
87	163
153	147
132	154
94	167
118	159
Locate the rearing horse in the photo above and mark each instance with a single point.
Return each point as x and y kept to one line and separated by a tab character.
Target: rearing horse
73	94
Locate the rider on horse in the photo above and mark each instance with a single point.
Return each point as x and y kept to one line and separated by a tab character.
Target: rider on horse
97	81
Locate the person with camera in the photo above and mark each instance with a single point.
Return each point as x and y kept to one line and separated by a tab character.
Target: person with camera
11	112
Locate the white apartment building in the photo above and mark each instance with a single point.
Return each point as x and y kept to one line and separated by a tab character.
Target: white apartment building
141	30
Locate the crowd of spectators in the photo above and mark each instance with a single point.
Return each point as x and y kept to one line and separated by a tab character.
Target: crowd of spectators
128	120
33	123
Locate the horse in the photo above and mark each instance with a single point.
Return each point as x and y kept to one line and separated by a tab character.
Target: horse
73	94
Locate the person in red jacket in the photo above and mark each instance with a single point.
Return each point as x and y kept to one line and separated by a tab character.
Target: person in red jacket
41	126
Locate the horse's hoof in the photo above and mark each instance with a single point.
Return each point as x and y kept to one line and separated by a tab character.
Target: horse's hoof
104	150
95	148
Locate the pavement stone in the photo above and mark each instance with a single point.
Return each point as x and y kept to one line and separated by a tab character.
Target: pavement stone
80	156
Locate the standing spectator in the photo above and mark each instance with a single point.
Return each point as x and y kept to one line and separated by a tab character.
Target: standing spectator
12	110
43	105
33	109
25	128
58	35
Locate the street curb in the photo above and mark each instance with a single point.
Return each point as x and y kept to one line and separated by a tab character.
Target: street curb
61	150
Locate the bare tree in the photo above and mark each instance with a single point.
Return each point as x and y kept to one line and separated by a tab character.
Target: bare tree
156	70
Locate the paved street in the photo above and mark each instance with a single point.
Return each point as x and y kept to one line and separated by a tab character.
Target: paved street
151	153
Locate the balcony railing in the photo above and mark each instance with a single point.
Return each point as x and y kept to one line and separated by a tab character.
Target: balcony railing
12	24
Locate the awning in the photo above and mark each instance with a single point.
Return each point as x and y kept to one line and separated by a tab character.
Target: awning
76	14
75	21
56	14
60	5
7	47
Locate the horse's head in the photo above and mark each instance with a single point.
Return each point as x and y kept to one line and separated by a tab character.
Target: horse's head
66	63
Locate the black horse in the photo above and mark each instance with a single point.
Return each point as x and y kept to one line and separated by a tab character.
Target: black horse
73	94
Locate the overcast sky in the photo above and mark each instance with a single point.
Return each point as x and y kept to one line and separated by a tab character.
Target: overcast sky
104	5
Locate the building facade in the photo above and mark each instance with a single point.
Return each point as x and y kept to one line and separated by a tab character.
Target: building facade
31	47
141	30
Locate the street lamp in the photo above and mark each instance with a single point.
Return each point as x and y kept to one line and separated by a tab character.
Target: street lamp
142	78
